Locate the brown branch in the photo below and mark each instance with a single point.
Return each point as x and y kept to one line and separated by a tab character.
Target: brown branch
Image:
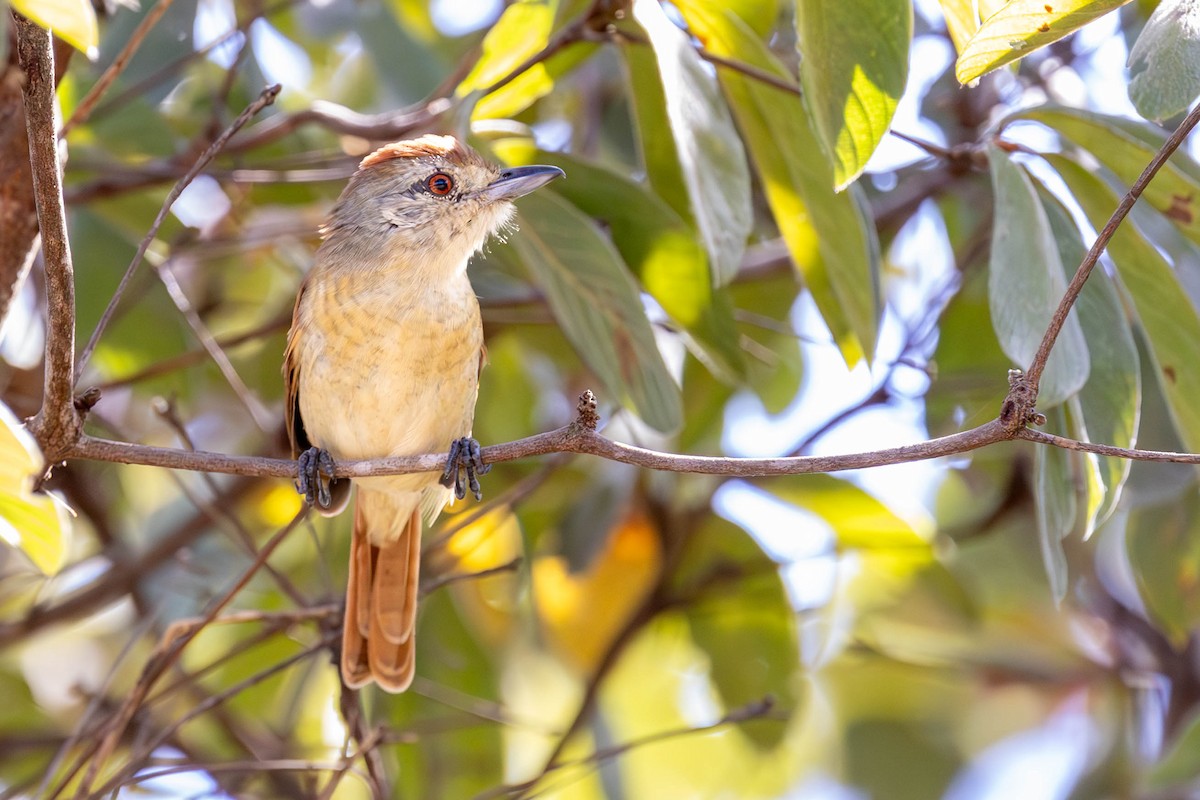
118	65
571	438
265	98
1020	402
57	424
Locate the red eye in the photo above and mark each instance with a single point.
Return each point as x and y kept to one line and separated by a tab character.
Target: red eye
439	183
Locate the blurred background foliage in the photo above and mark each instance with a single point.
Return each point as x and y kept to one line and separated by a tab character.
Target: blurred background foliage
742	261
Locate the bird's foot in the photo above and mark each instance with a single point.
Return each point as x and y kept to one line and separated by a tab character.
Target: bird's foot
464	465
315	477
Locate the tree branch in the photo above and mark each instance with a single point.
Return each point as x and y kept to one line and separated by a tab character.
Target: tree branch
1023	395
265	98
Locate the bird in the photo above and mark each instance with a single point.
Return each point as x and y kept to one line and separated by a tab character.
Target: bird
383	359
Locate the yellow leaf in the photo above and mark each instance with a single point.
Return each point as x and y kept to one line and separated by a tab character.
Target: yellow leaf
583	612
31	522
73	21
1021	27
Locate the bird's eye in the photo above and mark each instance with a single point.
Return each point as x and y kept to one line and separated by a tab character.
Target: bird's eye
439	183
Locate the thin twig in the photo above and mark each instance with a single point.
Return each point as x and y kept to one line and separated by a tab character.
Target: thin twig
266	98
1033	372
57	424
89	101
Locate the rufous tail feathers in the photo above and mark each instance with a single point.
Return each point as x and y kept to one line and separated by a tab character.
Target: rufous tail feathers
379	631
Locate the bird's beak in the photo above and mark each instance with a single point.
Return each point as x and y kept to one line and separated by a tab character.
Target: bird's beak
516	181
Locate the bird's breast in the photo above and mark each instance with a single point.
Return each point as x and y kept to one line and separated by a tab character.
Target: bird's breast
386	370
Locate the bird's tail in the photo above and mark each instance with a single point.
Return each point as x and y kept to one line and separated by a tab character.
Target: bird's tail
379	637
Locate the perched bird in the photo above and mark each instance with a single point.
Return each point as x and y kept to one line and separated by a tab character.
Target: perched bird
383	359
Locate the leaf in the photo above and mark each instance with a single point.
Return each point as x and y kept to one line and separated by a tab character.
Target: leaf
962	17
1025	284
1167	316
742	619
523	31
598	306
1021	27
662	251
1164	62
1056	507
854	67
709	148
843	274
31	522
1178	767
1126	146
1111	400
649	108
859	521
1163	542
73	21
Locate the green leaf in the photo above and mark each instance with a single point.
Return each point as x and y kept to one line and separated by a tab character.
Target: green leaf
598	305
649	107
1021	27
523	31
1163	542
1126	146
742	620
1180	765
73	21
843	273
1025	284
1056	507
709	149
662	250
1110	402
1164	63
858	520
855	64
963	16
31	522
1167	316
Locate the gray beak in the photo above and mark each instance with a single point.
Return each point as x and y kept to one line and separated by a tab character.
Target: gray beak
516	181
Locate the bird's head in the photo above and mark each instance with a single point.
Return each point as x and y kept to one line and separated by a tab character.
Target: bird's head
432	196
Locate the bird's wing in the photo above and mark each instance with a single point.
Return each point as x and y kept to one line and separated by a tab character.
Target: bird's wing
291	383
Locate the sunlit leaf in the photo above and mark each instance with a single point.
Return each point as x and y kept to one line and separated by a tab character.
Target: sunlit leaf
709	148
963	16
583	610
523	30
33	523
649	107
1164	62
662	251
855	64
859	521
1126	146
73	21
1167	316
598	305
1026	282
843	273
1021	27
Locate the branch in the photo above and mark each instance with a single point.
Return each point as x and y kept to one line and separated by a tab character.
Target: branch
1020	402
57	424
266	98
573	438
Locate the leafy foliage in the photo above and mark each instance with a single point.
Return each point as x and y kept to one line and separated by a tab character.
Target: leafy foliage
740	261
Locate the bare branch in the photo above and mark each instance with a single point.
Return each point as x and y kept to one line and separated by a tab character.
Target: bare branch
57	424
266	98
1021	399
118	65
